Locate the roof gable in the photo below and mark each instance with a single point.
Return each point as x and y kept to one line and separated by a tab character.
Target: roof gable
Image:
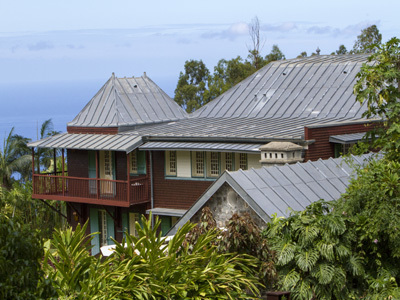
128	102
278	189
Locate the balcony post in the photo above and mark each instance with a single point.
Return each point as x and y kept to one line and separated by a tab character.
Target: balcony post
97	175
63	179
128	178
33	169
55	169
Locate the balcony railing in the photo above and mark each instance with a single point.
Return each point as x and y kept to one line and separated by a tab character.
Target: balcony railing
90	190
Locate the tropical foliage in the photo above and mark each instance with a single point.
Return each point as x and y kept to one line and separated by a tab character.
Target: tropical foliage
349	249
146	267
21	276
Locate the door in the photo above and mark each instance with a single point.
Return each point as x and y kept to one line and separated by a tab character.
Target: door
107	171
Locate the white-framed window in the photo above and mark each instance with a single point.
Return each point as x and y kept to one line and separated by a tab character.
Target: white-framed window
243	161
170	163
213	164
229	161
197	164
133	162
103	227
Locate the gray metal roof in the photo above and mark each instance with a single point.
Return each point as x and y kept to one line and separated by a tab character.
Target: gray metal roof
312	87
233	129
346	138
116	142
271	190
215	147
128	102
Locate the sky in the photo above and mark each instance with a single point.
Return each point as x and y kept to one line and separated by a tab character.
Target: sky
55	55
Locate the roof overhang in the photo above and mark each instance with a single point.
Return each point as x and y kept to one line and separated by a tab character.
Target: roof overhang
350	138
111	142
198	146
172	212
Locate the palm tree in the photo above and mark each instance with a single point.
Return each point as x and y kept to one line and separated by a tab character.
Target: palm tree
45	156
13	158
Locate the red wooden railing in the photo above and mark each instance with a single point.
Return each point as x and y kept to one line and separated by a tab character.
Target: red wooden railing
90	190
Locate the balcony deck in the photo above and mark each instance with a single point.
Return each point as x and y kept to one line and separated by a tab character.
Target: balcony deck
90	190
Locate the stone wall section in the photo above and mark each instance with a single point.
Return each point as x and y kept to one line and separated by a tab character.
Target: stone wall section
224	203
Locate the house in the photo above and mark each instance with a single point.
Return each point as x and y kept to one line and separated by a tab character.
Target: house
276	190
132	149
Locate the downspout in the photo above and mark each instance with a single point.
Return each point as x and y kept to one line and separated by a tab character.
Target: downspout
151	189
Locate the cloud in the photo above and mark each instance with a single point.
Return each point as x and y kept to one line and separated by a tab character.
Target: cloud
282	27
73	47
41	45
350	30
235	30
184	41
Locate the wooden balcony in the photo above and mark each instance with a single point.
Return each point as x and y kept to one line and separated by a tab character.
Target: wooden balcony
91	190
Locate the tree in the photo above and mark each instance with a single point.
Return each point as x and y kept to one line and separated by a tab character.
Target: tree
254	56
21	250
191	92
45	156
274	55
342	50
378	86
367	40
302	54
12	159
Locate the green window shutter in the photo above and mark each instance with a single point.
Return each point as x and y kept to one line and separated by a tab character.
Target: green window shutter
110	230
92	164
165	224
94	227
141	162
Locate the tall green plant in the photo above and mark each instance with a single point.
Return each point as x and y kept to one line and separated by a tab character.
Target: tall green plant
315	257
174	271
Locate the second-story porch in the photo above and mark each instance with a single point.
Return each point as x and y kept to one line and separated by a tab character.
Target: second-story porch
94	176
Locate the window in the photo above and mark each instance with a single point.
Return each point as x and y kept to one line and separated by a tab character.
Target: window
137	162
133	218
243	161
133	162
170	163
229	159
103	227
212	164
342	149
198	164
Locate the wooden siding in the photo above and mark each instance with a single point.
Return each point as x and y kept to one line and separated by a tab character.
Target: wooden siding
92	130
322	148
174	193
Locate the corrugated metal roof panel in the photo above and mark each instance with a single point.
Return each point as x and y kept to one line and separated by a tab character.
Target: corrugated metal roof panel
296	186
346	138
116	142
192	146
128	102
312	87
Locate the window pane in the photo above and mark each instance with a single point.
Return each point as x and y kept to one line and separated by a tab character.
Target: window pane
243	161
229	161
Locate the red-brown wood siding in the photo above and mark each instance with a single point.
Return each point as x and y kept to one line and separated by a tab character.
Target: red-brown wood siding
93	130
174	193
322	148
78	163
